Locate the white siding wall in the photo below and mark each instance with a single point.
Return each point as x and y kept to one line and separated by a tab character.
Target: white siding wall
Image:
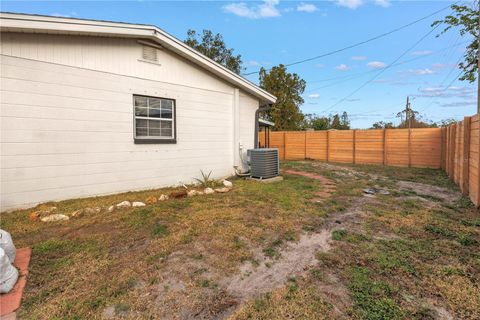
67	131
248	106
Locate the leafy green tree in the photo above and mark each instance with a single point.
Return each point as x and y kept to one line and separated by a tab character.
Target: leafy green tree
213	46
465	18
383	125
312	121
288	88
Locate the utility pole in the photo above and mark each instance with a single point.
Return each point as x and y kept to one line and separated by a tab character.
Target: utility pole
408	115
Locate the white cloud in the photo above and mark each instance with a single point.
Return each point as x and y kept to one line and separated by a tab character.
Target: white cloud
443	65
306	7
383	3
314	96
354	4
376	65
351	4
465	103
442	92
359	58
267	9
420	72
342	67
252	63
422	53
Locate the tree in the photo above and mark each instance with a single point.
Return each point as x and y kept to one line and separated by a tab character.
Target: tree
467	19
446	122
214	47
288	88
383	125
312	121
344	121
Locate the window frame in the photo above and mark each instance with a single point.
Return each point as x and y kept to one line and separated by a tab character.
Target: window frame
153	139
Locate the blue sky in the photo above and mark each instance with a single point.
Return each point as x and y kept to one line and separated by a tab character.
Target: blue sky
271	32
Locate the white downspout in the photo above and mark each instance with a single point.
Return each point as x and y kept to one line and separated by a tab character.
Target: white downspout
236	127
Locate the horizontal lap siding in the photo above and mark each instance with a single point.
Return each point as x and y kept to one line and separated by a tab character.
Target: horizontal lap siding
67	132
369	146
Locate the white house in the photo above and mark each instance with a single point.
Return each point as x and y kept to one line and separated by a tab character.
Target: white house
94	107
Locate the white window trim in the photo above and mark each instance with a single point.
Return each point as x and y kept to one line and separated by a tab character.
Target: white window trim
155	139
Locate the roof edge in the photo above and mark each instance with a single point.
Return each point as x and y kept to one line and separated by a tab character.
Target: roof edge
63	25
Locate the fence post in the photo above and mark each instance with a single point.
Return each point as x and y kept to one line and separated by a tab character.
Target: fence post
284	147
442	150
454	153
466	154
385	147
447	148
305	149
328	145
354	145
409	147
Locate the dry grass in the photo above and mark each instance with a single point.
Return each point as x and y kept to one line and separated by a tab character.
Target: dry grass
402	258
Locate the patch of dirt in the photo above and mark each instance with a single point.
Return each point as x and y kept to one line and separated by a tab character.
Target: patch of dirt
328	186
336	294
422	189
295	257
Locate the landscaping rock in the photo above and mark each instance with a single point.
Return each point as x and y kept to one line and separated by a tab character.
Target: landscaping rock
151	200
178	194
222	190
76	213
208	191
163	197
227	184
55	217
192	193
138	204
124	204
93	210
373	191
111	208
34	216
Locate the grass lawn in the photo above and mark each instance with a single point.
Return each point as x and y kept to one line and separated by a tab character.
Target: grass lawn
291	249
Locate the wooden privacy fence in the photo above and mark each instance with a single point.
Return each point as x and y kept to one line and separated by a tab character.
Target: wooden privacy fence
395	147
460	155
455	149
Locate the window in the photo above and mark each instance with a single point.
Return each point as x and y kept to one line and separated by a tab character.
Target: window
154	120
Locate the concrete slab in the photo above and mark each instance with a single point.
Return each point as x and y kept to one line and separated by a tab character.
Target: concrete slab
269	180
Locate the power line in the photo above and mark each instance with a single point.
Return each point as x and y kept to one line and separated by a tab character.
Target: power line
359	43
359	74
382	70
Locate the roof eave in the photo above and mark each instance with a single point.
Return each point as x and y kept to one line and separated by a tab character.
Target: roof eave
54	25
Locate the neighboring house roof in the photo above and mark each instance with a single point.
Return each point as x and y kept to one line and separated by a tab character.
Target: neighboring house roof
14	22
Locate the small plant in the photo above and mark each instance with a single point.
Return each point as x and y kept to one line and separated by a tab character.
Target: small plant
339	235
205	181
160	230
